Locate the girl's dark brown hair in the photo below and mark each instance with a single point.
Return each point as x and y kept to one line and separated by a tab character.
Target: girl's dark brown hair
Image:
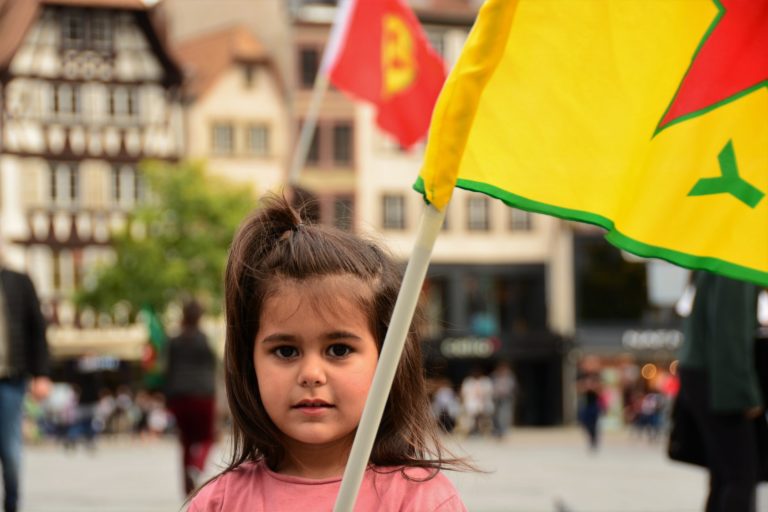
276	245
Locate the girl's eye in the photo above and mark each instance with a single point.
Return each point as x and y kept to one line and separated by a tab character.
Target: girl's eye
339	350
286	352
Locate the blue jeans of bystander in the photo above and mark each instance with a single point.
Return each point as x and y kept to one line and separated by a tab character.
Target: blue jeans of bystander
11	403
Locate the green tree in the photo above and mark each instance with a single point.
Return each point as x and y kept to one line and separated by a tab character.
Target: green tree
180	248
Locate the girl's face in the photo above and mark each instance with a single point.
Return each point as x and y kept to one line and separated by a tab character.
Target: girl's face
315	357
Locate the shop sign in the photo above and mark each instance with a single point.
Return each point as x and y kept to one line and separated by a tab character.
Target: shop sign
652	339
469	347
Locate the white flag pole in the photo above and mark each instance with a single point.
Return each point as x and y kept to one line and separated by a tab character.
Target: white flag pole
308	128
332	48
429	228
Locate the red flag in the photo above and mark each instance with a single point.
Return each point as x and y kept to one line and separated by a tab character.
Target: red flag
378	52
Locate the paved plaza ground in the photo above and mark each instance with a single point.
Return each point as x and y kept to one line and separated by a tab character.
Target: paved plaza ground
532	470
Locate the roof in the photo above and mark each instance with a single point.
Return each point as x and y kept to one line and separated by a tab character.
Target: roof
136	5
206	58
18	16
450	12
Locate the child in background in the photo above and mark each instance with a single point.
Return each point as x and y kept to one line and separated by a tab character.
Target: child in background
307	309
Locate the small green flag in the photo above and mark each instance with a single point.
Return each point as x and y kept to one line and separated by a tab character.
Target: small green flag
153	360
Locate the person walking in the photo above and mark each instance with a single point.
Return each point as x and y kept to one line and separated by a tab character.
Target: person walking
719	386
190	391
590	388
23	360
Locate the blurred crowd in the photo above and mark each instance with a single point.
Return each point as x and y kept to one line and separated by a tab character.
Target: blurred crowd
72	415
483	405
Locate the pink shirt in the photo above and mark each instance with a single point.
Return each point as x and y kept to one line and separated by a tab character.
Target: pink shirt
255	488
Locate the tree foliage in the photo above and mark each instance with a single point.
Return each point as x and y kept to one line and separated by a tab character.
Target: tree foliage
188	222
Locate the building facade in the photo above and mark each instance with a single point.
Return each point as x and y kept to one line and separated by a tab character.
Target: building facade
89	90
236	110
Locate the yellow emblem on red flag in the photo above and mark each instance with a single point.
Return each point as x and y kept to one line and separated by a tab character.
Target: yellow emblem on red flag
397	56
380	54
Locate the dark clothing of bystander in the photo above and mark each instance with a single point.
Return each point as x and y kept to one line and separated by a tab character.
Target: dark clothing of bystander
190	388
24	354
719	386
191	366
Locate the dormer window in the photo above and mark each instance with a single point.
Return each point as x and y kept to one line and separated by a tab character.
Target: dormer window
249	75
101	33
86	32
73	30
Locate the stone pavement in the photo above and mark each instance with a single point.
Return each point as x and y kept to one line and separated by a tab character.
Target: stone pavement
532	470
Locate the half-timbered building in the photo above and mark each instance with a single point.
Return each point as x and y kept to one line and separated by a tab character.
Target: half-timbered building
88	89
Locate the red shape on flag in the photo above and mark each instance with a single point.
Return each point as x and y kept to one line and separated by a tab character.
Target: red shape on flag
732	59
384	58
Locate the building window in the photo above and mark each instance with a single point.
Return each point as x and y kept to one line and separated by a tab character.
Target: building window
609	288
519	220
66	99
342	143
56	268
73	30
332	145
123	101
478	213
126	185
80	31
435	299
101	33
257	139
393	211
309	61
223	139
249	75
64	184
342	212
313	153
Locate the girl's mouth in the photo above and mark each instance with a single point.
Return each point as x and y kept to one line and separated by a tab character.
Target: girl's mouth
313	407
312	404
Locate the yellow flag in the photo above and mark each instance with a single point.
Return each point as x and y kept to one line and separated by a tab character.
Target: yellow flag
648	118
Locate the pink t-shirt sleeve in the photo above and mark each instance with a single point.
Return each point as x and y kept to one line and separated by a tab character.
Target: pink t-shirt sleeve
407	495
210	497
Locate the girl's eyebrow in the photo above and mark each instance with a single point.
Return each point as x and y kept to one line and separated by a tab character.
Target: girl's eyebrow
342	335
278	338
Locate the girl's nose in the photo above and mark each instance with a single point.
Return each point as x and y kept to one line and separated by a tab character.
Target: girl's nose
312	373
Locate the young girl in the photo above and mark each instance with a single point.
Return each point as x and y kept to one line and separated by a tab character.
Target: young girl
307	309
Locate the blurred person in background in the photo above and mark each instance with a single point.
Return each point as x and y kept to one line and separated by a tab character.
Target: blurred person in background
504	390
190	390
88	384
105	410
445	404
122	417
719	387
477	402
23	360
589	386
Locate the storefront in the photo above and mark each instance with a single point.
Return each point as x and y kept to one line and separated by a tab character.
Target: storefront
480	315
113	353
626	324
633	362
